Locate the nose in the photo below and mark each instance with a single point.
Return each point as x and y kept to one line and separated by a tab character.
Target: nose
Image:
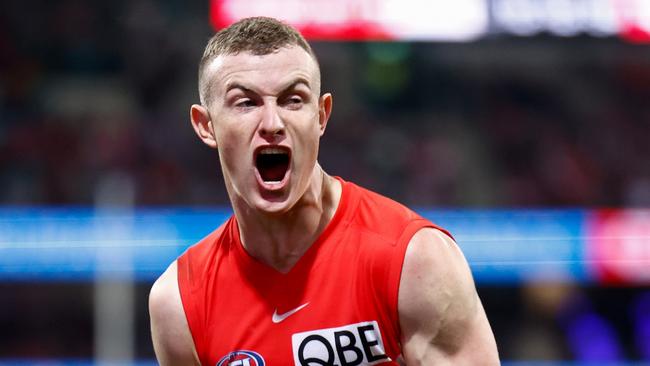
271	124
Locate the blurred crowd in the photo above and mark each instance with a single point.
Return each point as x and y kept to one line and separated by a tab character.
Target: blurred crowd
94	102
96	93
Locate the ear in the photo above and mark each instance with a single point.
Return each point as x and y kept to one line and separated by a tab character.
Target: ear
324	111
202	124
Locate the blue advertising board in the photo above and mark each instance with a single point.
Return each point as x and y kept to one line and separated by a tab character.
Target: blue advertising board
81	244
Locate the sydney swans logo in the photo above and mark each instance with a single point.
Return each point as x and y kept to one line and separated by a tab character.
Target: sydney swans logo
242	358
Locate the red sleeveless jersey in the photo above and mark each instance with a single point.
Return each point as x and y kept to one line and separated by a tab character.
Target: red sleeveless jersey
337	305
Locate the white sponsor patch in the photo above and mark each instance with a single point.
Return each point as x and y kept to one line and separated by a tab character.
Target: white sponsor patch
349	345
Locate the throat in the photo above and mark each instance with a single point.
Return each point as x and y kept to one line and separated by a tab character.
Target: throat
272	167
281	258
281	241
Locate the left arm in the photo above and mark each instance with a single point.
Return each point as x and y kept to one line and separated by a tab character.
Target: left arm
441	316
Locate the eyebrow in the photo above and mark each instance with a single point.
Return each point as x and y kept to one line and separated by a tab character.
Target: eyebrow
290	86
296	82
236	85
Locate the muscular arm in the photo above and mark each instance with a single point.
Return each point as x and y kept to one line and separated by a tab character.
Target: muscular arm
442	319
171	335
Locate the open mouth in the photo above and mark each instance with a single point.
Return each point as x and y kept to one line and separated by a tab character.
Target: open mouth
272	163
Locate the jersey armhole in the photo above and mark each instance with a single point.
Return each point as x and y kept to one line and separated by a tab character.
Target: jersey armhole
397	263
188	297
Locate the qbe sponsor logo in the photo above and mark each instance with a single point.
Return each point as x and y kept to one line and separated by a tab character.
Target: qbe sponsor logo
241	358
349	345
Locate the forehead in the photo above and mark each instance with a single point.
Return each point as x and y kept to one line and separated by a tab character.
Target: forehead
263	71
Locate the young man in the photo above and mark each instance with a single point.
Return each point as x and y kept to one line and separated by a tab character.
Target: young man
310	269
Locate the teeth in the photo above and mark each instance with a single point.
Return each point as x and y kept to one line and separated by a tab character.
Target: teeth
272	150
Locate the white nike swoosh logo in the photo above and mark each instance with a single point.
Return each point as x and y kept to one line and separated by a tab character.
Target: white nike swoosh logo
277	318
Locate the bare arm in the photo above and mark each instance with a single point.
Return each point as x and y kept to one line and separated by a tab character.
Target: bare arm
442	319
171	335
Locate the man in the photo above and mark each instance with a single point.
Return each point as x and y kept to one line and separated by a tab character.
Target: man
311	269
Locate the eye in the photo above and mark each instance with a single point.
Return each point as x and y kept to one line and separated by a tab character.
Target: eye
244	103
293	101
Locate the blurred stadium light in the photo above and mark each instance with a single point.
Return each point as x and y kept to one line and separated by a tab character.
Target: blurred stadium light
460	20
440	20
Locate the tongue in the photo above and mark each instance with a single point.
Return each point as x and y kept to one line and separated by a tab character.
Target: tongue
273	173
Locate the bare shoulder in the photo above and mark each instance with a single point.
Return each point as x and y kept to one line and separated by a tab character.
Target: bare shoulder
441	317
171	336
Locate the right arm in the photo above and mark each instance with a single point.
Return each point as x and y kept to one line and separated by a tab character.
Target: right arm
172	340
441	316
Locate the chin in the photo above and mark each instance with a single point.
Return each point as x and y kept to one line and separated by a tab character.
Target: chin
271	202
273	208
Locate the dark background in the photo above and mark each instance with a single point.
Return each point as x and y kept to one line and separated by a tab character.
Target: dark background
92	91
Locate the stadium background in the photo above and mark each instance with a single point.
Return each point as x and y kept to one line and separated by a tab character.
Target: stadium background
531	147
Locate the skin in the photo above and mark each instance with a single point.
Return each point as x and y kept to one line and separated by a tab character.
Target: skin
274	100
441	316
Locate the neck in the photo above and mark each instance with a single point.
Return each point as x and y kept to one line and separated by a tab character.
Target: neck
280	240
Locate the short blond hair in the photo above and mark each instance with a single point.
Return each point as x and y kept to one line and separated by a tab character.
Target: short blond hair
257	35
